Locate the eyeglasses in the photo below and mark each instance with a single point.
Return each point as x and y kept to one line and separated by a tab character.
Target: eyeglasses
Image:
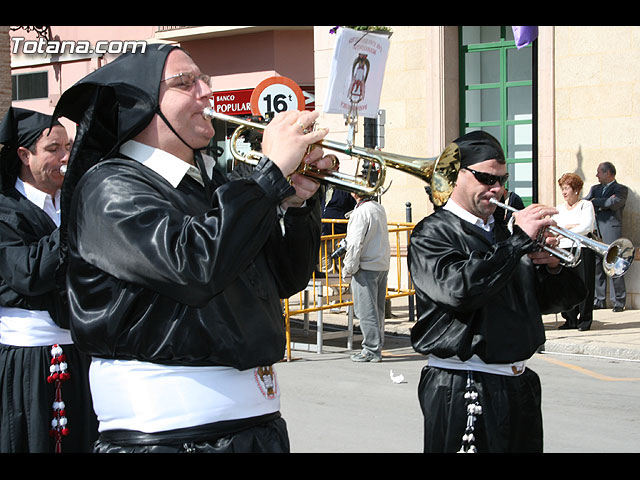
487	178
188	79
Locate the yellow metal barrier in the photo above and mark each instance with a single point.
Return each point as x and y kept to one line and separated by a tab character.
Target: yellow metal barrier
327	288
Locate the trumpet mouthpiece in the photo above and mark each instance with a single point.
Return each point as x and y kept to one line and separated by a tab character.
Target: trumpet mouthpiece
208	113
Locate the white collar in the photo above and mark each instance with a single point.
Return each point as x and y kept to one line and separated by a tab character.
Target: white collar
38	197
170	167
460	212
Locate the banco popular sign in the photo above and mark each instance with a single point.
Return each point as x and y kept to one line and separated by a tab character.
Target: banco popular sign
238	102
232	102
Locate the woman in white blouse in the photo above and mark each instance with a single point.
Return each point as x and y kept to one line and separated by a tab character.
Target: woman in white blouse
578	216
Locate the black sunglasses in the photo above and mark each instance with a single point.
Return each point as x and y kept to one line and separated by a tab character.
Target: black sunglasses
487	178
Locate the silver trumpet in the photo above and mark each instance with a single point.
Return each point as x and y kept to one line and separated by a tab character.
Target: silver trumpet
440	172
616	257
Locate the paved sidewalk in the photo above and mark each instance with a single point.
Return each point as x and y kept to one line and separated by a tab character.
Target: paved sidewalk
615	335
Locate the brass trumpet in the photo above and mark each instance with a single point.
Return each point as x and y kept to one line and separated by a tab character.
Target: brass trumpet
616	257
440	172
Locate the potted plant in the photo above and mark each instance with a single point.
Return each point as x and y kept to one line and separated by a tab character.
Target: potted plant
378	29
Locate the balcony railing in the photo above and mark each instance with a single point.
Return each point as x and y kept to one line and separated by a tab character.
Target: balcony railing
168	29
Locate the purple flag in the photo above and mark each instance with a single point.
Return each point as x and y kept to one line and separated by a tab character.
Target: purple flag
524	35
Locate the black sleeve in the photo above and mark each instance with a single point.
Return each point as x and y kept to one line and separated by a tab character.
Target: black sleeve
130	227
29	257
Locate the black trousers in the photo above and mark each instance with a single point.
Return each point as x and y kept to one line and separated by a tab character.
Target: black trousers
582	315
511	419
266	434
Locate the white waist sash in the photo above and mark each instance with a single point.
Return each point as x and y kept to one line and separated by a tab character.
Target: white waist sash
134	395
30	328
477	365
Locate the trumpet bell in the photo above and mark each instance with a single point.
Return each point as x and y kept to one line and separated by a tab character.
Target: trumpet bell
445	174
618	258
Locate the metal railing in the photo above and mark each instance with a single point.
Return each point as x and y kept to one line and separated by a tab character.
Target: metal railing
328	290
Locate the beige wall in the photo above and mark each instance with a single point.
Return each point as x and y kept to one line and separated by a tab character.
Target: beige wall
597	114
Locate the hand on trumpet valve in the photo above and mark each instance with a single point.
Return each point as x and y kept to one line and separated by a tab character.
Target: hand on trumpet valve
305	186
542	257
286	140
534	219
545	257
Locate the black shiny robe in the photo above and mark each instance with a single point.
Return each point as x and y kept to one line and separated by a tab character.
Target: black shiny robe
166	275
477	298
29	242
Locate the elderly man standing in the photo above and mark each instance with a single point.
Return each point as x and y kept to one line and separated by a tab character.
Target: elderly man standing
45	401
608	198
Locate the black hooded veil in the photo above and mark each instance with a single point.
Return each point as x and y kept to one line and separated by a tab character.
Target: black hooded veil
110	106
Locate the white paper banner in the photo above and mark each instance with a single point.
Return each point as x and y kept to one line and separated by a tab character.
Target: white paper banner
357	72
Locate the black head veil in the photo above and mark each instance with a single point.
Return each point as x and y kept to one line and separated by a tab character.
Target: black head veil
19	128
478	146
110	106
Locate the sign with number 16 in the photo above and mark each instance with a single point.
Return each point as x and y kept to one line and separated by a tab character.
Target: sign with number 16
275	95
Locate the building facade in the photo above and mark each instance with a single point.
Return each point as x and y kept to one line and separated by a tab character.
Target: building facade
563	104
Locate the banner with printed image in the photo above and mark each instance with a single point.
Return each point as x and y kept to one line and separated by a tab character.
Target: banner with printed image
357	72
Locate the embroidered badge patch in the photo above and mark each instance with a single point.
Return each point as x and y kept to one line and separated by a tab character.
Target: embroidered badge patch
266	381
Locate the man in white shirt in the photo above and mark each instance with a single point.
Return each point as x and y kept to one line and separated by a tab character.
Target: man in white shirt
367	260
43	374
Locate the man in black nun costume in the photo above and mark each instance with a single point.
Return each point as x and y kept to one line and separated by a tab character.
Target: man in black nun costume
45	402
480	294
175	273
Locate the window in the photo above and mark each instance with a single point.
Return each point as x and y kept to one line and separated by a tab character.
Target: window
496	95
29	85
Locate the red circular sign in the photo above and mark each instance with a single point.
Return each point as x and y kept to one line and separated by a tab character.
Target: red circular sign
275	95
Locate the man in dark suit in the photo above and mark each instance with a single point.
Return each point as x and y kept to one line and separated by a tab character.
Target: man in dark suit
608	198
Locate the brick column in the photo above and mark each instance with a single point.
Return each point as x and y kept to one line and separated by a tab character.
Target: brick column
5	71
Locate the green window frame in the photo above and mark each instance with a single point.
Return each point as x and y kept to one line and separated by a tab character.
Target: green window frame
497	95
